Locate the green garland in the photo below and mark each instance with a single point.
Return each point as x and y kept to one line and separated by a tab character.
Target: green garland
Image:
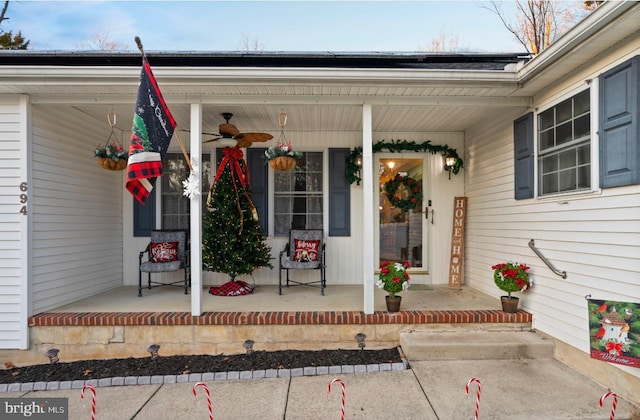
413	188
399	146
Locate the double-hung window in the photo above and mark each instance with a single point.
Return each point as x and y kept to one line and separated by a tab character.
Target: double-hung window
564	146
175	206
298	195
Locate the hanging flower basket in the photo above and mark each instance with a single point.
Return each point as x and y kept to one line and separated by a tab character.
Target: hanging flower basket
282	157
282	163
112	155
112	165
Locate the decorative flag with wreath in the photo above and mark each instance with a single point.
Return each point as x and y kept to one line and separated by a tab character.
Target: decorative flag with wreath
614	331
153	127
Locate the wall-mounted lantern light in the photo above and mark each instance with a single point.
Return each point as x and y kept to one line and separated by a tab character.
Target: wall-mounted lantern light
358	163
449	162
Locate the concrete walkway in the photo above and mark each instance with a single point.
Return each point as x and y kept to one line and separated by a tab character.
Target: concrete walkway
511	389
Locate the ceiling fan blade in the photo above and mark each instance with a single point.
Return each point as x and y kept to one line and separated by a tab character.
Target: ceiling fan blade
255	137
243	142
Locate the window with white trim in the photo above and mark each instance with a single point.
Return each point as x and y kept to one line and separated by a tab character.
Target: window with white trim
564	146
175	206
298	195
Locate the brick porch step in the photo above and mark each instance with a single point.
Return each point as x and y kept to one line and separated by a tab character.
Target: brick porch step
475	345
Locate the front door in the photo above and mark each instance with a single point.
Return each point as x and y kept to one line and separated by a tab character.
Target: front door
402	202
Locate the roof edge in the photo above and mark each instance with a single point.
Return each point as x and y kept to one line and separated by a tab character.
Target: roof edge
380	60
598	20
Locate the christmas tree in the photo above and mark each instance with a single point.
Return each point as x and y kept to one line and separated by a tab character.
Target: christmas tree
232	239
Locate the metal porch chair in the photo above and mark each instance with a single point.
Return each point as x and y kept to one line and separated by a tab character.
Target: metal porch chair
167	252
305	251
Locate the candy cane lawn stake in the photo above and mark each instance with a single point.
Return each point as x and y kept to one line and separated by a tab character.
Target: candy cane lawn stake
615	403
93	400
206	389
343	392
477	395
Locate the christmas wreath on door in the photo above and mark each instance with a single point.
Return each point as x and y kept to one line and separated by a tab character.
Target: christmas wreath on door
403	192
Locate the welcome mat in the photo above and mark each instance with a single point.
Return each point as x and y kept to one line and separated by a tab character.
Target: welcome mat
419	287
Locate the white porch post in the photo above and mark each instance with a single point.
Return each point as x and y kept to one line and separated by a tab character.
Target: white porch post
367	208
195	257
26	221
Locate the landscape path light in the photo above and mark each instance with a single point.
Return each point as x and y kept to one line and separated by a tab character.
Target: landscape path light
52	354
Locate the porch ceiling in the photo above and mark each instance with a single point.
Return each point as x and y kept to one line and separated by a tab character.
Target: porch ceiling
314	118
316	100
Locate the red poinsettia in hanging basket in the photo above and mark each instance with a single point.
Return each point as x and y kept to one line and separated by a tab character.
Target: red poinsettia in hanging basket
111	156
282	157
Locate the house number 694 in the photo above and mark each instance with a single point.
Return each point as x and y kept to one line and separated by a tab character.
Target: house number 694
23	198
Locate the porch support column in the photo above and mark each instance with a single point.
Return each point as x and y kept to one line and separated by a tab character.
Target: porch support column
25	163
367	208
195	235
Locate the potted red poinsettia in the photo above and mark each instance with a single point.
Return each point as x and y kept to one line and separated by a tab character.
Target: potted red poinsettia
511	277
393	278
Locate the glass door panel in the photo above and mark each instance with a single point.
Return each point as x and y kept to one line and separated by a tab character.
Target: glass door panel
402	228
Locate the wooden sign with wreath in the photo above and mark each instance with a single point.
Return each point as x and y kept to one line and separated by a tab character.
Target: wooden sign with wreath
403	192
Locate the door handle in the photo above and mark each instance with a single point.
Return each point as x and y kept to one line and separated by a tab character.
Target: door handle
426	214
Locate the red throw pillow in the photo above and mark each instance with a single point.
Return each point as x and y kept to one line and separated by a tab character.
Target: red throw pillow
305	251
161	252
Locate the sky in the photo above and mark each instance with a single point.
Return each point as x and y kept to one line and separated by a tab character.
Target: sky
300	26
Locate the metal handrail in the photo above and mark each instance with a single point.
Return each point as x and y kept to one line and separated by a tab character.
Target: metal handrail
557	272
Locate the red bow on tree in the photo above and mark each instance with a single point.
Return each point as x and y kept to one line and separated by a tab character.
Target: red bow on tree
232	155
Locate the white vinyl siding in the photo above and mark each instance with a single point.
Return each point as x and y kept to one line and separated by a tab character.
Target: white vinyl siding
77	211
594	237
11	225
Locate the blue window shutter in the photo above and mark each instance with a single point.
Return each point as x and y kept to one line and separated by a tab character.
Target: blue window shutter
339	193
523	153
619	127
144	216
259	182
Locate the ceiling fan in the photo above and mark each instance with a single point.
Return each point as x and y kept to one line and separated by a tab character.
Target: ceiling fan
230	131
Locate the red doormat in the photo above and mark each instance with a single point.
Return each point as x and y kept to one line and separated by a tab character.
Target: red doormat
232	288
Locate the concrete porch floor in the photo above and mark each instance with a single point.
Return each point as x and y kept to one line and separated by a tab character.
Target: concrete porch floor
293	299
